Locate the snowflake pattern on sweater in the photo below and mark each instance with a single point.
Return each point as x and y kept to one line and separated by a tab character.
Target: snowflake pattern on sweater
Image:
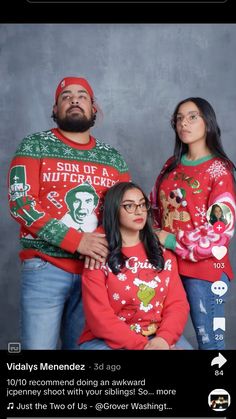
193	237
125	312
56	192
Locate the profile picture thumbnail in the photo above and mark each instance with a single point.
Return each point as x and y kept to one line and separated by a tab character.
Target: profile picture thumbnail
219	400
219	212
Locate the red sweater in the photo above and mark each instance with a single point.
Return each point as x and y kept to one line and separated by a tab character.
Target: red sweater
124	309
183	208
56	189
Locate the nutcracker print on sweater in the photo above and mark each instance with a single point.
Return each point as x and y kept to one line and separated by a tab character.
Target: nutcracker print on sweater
56	190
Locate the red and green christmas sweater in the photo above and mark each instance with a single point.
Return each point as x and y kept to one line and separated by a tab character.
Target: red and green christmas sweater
124	309
183	208
56	191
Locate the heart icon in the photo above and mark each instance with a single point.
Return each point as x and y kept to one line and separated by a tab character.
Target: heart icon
219	252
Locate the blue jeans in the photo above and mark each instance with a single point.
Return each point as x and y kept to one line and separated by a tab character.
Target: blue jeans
204	307
100	344
51	306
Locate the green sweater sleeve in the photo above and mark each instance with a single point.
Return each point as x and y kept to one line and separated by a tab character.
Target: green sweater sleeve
170	242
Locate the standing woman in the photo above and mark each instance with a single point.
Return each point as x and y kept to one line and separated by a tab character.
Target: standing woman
136	300
198	177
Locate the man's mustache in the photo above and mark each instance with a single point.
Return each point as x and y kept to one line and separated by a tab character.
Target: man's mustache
75	107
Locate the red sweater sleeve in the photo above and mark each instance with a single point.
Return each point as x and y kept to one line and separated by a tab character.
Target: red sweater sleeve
25	207
153	196
197	244
100	317
176	308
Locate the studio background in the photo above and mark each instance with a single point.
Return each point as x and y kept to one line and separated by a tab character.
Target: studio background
139	73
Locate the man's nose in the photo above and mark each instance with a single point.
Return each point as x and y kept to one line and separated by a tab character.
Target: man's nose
75	101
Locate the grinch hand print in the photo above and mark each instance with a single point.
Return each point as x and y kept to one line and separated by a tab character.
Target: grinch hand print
146	292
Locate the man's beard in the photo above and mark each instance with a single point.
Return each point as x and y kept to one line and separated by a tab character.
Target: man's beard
72	123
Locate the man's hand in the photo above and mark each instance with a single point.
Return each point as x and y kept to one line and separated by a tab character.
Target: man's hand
94	245
156	343
92	263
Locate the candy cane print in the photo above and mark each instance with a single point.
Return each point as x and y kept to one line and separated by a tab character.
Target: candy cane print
51	197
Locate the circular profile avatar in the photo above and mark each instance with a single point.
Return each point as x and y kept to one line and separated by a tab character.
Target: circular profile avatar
219	399
81	202
217	214
220	217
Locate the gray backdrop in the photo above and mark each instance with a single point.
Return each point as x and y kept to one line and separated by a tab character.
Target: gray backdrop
139	72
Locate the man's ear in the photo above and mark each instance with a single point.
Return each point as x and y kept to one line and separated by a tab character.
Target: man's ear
94	109
54	108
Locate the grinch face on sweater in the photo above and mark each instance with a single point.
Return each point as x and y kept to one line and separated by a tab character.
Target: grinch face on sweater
146	292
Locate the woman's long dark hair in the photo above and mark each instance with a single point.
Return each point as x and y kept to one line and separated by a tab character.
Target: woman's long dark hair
116	259
213	138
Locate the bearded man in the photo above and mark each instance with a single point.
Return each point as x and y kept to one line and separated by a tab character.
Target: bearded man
48	167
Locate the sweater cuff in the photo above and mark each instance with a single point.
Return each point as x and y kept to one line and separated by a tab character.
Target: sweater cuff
170	242
71	240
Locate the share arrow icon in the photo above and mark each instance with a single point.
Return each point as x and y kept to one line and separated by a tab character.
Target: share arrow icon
220	360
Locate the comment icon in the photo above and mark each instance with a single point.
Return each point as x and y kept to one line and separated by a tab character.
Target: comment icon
219	288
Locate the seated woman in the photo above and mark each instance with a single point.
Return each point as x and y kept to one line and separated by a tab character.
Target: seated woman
136	300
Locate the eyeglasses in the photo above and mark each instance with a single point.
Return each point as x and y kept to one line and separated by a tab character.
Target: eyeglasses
177	198
191	118
132	207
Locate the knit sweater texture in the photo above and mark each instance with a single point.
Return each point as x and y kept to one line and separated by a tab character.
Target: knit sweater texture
183	208
56	191
126	308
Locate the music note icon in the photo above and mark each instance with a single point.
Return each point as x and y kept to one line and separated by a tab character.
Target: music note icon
10	406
